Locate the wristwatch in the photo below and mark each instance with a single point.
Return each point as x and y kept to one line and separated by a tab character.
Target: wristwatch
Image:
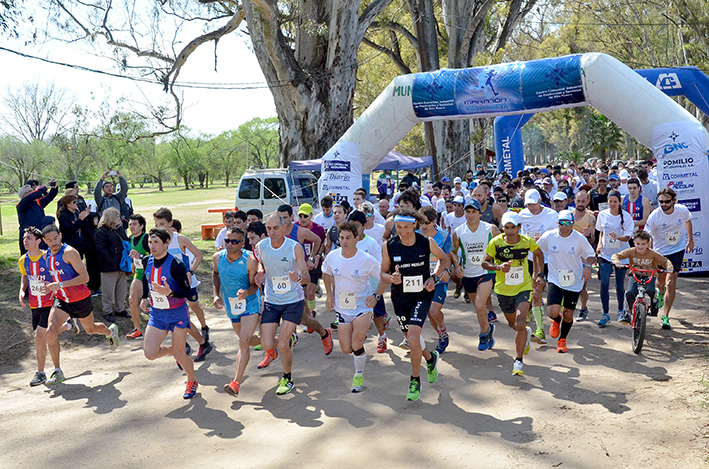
61	284
378	297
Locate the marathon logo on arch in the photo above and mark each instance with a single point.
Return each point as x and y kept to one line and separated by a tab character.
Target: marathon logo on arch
668	81
671	176
693	205
336	165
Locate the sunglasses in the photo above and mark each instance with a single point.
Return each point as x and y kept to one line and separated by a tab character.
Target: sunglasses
302	215
565	223
233	241
665	202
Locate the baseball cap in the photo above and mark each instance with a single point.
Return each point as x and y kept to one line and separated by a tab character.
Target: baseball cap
547	180
614	177
358	217
473	203
479	166
445	179
602	177
560	196
457	180
459	199
532	197
528	182
510	217
565	215
305	209
428	188
516	204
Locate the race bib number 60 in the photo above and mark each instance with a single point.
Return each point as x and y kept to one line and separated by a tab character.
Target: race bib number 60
281	285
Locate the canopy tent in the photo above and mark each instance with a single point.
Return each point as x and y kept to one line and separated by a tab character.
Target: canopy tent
394	161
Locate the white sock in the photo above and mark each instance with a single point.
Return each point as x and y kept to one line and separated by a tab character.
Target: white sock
359	363
380	337
423	343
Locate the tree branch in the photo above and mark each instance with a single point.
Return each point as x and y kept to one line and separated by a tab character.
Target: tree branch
368	15
403	68
399	28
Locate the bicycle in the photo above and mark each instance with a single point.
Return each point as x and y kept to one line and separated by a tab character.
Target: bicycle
640	306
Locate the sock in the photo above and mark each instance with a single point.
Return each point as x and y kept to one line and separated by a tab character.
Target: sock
538	314
57	369
360	359
565	328
311	305
519	360
324	336
380	337
431	360
441	331
415	378
423	342
557	319
287	376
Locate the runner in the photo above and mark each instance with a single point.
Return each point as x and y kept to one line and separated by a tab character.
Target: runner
325	218
507	255
346	274
333	237
233	274
229	221
636	204
472	240
489	212
671	229
570	258
283	266
313	256
165	289
584	223
72	298
405	265
139	248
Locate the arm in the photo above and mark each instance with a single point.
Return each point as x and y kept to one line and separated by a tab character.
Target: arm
216	283
124	187
690	236
178	270
329	291
444	261
385	277
98	189
251	268
538	257
45	200
302	265
24	284
308	235
387	228
459	270
497	212
185	243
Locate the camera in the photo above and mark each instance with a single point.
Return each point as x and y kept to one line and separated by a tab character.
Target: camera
112	173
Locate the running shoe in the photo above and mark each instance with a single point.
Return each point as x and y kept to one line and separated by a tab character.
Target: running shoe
539	337
232	388
114	340
205	333
491	317
457	292
527	345
39	378
443	342
387	319
327	342
518	368
358	382
660	300
605	319
483	341
56	378
333	325
293	341
258	347
285	385
665	322
404	344
621	317
270	356
582	315
136	334
190	390
382	345
555	329
467	298
414	390
491	337
561	346
204	349
625	319
71	325
432	368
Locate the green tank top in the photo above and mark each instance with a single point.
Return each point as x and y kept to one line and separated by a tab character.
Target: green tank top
137	244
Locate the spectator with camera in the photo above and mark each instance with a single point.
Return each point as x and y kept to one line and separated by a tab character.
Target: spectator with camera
30	209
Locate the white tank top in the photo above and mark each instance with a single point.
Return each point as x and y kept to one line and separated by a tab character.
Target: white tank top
185	257
473	246
277	263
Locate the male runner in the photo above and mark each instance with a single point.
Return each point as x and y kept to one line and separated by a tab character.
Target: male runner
584	223
637	204
139	248
325	218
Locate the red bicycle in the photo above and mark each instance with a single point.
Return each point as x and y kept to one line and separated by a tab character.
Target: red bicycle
640	307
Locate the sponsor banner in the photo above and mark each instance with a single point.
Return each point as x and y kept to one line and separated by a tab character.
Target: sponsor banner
538	85
680	150
341	172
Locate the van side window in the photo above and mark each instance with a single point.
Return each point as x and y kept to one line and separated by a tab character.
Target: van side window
249	189
304	188
275	188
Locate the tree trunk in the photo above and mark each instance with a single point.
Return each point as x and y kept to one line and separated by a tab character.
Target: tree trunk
160	188
186	180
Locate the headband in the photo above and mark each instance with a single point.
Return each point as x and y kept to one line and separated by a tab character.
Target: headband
404	218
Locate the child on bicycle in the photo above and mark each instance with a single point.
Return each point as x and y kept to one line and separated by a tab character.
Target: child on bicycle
641	257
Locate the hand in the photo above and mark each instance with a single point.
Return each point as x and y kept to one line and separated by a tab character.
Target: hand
613	235
22	297
134	254
445	277
690	246
84	214
618	265
330	303
396	276
162	289
460	271
144	304
50	287
539	282
241	294
371	301
505	267
294	276
430	284
218	302
258	278
52	184
310	264
587	274
105	175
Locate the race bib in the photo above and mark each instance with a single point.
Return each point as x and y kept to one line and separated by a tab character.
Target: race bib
238	307
346	300
475	258
138	264
281	285
159	300
413	283
515	276
36	287
567	277
603	206
673	237
612	242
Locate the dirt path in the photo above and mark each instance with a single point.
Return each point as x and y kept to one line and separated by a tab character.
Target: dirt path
597	406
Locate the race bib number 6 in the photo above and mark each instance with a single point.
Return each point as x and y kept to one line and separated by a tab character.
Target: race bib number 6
346	300
413	283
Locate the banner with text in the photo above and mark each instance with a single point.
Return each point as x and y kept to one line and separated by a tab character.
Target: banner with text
680	150
341	172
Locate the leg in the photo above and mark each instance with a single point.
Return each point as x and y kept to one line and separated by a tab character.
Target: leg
194	333
57	318
121	292
199	312
584	297
308	321
482	300
152	345
344	334
413	336
108	298
568	321
268	335
604	269
179	340
521	328
670	295
287	329
136	291
92	327
620	288
40	341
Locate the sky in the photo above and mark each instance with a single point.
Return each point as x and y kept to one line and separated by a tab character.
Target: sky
208	111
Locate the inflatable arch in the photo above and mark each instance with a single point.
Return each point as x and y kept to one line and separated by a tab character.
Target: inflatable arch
676	137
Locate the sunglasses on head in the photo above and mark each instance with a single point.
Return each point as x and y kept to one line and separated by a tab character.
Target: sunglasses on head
565	223
233	241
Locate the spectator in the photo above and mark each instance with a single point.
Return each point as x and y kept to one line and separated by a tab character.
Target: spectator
109	247
411	178
71	221
30	208
105	197
385	186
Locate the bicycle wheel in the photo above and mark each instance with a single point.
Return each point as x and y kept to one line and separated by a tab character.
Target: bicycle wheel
639	321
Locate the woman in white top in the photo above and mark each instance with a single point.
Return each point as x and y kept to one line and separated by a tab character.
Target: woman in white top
616	228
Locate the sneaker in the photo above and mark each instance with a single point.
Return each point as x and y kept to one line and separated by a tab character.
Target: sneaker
382	345
518	367
561	346
456	294
443	342
39	378
122	314
527	345
188	348
405	344
190	390
621	317
582	315
327	342
626	318
491	337
358	383
232	388
258	347
660	300
56	378
136	334
114	340
665	322
491	317
605	319
205	333
539	337
432	368
285	386
414	390
204	349
270	356
387	319
483	341
333	325
71	325
466	297
555	329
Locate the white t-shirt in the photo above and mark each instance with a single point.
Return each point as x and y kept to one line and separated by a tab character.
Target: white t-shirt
566	256
351	278
325	222
538	224
669	234
376	232
472	245
378	218
607	224
441	205
649	190
219	242
453	222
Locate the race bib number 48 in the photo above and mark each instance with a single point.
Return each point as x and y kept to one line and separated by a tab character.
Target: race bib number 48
515	276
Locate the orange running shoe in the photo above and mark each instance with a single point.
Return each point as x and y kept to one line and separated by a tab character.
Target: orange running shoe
561	346
268	358
191	390
136	334
554	329
327	342
232	388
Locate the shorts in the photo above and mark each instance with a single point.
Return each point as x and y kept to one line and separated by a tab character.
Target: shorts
77	309
194	295
237	319
439	294
169	319
558	296
315	275
380	309
471	284
509	304
346	318
531	269
292	312
411	311
676	260
40	317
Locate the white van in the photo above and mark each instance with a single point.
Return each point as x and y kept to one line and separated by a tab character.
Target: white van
266	189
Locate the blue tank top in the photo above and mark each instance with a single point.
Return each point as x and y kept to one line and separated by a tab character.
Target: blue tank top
279	289
161	275
634	208
234	276
61	271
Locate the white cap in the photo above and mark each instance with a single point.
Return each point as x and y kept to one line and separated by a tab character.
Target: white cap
532	197
509	217
457	180
459	199
560	196
567	215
